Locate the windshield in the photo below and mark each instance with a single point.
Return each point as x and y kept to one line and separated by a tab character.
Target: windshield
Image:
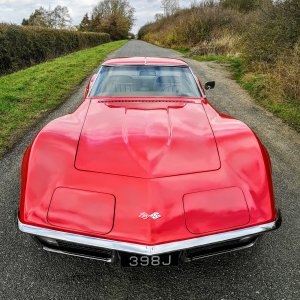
145	81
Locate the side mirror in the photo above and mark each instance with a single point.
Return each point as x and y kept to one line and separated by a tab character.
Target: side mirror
87	90
210	85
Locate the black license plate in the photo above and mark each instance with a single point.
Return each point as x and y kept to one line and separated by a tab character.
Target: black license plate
136	260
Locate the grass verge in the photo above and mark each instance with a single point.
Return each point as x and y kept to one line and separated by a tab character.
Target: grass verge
27	96
257	86
182	50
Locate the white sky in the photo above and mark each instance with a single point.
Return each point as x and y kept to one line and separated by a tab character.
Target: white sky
13	11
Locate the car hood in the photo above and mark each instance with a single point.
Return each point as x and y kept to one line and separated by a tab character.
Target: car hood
146	139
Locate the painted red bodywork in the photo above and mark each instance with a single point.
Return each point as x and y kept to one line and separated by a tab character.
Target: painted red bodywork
151	139
95	171
63	210
228	211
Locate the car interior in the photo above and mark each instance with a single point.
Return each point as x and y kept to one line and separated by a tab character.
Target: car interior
146	83
124	83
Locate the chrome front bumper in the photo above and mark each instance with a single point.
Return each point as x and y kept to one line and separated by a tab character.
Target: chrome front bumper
118	246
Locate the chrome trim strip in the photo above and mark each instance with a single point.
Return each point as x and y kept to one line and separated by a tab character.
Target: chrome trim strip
202	92
109	260
146	249
92	86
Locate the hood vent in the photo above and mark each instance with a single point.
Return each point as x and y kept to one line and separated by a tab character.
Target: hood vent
146	101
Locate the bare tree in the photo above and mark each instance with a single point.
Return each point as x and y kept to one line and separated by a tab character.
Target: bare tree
170	6
61	17
158	17
194	3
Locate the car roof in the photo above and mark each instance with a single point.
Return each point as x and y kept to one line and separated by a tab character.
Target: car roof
155	61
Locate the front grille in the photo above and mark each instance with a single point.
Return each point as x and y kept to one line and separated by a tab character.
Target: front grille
78	250
85	250
210	250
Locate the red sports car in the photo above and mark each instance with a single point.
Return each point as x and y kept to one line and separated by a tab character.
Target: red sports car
146	172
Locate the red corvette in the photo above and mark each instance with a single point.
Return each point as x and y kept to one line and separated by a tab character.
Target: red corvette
146	172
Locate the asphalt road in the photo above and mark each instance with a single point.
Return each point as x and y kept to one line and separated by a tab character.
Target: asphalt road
270	270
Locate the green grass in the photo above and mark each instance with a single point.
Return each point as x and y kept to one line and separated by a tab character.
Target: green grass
185	51
286	109
234	63
29	95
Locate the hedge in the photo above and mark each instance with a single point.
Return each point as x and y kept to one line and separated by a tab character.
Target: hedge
25	46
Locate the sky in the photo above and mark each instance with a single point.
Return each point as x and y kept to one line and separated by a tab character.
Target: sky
13	11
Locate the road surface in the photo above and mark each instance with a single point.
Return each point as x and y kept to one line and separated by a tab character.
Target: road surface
270	270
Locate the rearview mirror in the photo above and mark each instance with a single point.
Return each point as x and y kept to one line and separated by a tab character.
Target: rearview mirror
210	85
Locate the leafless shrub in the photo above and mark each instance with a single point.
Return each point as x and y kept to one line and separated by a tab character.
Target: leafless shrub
273	29
284	76
189	27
